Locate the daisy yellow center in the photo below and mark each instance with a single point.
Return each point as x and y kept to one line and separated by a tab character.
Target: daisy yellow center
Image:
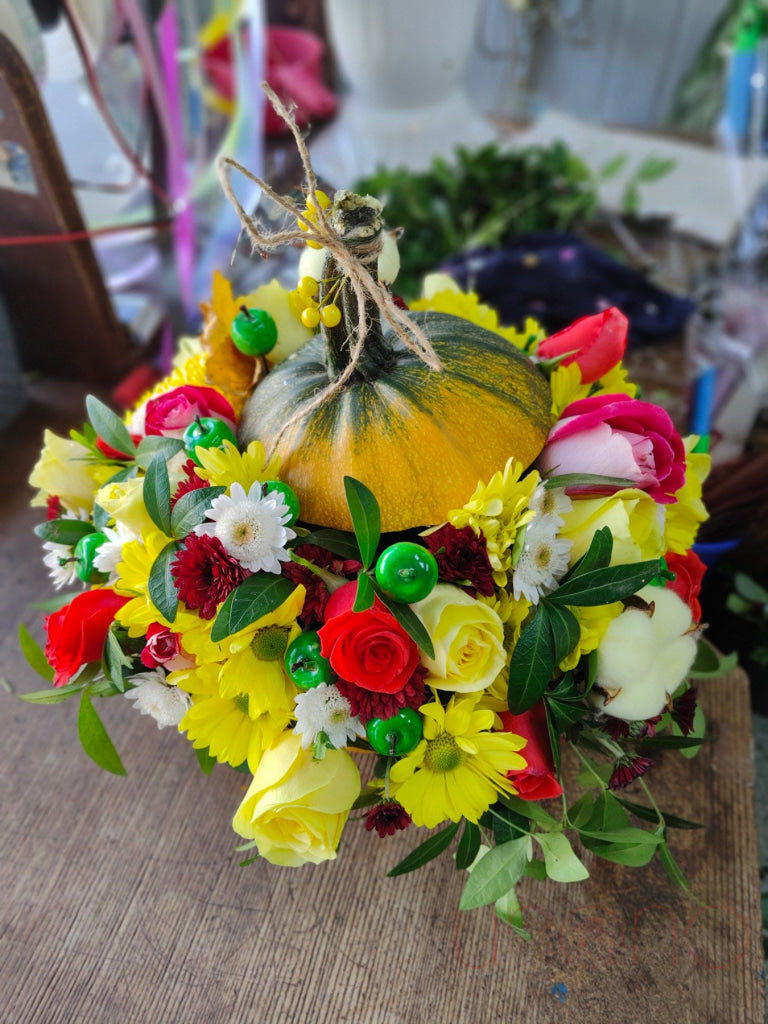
270	643
543	556
443	754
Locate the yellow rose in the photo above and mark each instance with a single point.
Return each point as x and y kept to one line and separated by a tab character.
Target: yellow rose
468	638
125	501
633	517
296	807
65	470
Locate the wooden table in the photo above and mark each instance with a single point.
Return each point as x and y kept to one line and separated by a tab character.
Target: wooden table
124	902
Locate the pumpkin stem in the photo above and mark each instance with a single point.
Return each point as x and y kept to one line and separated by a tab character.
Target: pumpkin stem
378	353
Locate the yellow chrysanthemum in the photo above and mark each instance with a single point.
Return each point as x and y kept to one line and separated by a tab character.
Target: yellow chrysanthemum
133	571
616	382
233	729
684	518
459	766
497	510
441	294
593	623
566	387
226	465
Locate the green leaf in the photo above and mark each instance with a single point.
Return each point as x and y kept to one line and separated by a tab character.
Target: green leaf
750	589
672	868
189	511
63	531
109	427
337	541
365	594
508	910
561	862
426	852
53	604
94	738
100	517
612	167
366	518
602	586
33	652
587	480
409	620
697	732
565	713
530	809
608	815
469	844
628	836
507	824
55	696
367	798
160	586
709	664
565	629
554	737
597	555
649	814
580	812
155	446
256	597
633	855
495	873
114	660
654	167
592	660
204	759
126	473
671	742
532	664
157	495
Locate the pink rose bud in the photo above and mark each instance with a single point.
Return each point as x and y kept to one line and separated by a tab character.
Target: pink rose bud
170	414
595	343
162	647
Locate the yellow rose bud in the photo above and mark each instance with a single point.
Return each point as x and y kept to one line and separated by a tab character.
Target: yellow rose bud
468	638
125	501
296	807
633	517
64	470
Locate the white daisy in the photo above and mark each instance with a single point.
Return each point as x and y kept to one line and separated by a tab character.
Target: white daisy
153	696
251	527
111	551
324	709
60	561
543	561
551	502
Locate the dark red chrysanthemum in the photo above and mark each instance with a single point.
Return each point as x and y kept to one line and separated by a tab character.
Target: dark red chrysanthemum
192	483
618	729
53	509
627	769
204	574
387	818
683	710
313	612
462	557
366	704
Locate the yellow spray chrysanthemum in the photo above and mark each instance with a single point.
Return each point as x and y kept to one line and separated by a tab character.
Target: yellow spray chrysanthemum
133	569
685	516
566	387
232	729
225	466
497	510
459	767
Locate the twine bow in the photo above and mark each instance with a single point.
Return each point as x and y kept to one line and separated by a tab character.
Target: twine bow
363	282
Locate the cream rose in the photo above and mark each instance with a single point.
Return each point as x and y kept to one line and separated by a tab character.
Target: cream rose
635	520
468	638
63	469
296	807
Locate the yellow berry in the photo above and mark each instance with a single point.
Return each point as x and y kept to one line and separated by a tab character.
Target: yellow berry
310	317
330	315
308	287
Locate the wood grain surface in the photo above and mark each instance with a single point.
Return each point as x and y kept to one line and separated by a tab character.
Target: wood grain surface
123	901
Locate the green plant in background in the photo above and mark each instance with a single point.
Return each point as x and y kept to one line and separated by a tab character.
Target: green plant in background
489	195
750	600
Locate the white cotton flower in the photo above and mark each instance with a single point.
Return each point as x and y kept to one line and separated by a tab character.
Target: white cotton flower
153	696
544	559
251	527
551	502
110	553
60	561
324	709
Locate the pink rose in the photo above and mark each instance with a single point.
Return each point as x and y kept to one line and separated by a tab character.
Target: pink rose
613	435
170	414
163	648
596	344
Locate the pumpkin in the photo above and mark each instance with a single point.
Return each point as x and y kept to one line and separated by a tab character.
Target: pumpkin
419	439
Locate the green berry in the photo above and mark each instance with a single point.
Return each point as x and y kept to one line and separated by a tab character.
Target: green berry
289	497
254	332
206	432
305	664
396	735
406	571
86	550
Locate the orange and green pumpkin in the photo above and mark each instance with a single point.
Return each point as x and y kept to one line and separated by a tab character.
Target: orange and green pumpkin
419	438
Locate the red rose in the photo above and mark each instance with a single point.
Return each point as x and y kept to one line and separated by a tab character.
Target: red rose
596	344
170	414
76	632
689	570
537	781
370	648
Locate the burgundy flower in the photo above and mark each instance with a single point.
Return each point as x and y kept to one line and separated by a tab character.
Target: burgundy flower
387	818
462	557
618	729
683	710
192	483
627	769
365	704
204	574
313	613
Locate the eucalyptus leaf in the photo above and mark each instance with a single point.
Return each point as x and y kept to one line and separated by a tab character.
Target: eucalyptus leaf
109	427
561	862
160	586
256	597
63	531
602	586
469	844
426	851
95	739
532	664
365	594
190	510
33	652
157	495
495	874
366	518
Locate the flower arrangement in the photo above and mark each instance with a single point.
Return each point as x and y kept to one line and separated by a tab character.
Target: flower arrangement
553	605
